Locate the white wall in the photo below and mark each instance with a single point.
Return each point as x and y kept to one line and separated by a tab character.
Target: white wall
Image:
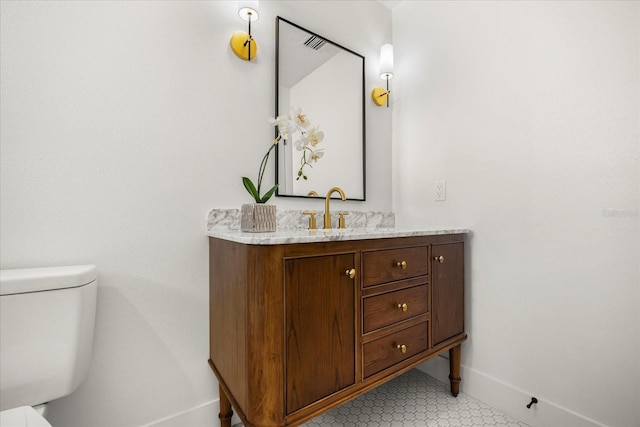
123	123
530	112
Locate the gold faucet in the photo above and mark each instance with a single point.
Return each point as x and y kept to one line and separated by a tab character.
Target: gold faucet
327	213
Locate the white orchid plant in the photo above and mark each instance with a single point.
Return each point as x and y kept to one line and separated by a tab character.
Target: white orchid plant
287	126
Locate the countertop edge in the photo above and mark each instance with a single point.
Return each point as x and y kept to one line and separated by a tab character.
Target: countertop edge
308	236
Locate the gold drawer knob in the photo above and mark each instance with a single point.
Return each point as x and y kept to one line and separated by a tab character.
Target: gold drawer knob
440	259
351	273
403	307
402	264
402	348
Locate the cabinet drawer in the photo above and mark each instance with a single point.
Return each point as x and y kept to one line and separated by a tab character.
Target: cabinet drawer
394	264
385	352
383	310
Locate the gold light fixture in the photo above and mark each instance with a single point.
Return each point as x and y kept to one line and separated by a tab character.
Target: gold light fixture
381	95
242	44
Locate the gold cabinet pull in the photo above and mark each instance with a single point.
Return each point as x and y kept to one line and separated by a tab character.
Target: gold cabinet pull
403	307
351	273
440	259
402	264
402	348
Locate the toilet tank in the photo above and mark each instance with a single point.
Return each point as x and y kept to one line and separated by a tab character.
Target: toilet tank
47	318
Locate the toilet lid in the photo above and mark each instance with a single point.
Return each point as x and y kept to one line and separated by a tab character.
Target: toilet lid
23	416
24	280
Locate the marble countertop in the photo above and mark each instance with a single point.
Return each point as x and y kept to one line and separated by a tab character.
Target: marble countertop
292	228
310	236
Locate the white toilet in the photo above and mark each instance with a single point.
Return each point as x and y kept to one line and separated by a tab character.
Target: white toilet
47	318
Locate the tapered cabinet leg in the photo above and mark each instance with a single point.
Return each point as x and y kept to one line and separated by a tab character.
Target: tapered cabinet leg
226	411
454	369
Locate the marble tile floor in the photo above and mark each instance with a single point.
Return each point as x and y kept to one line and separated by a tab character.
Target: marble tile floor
414	399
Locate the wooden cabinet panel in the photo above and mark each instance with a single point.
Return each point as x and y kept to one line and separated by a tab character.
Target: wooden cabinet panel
383	310
320	328
387	351
387	265
448	291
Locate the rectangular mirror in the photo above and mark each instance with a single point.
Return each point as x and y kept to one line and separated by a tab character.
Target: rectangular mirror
326	82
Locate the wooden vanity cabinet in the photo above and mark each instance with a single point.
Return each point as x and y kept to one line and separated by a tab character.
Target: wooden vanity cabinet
296	329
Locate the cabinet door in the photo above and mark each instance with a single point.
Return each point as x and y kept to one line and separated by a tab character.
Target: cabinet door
448	291
320	328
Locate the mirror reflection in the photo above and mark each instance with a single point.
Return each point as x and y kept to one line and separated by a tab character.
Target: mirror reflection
324	82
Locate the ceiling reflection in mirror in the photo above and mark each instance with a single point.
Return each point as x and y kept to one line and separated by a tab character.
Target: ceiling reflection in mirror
325	82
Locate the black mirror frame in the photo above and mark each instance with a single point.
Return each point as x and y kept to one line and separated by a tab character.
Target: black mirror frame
364	128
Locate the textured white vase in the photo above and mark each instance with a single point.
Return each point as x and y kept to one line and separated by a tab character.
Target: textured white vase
258	218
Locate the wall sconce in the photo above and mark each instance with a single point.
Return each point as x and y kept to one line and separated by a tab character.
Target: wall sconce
379	95
242	44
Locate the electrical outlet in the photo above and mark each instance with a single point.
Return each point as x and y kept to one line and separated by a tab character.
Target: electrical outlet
441	191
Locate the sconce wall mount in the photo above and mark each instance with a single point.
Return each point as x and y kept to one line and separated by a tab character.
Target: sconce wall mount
380	96
242	43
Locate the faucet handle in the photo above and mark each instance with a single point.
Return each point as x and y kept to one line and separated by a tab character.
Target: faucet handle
312	219
341	221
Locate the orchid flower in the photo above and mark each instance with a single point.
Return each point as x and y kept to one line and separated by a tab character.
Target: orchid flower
284	125
287	126
301	121
311	138
314	137
317	155
300	144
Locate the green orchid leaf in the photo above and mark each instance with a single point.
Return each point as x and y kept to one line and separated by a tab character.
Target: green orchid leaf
248	184
268	194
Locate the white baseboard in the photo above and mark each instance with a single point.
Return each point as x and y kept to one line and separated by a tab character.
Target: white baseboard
495	393
507	398
203	415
